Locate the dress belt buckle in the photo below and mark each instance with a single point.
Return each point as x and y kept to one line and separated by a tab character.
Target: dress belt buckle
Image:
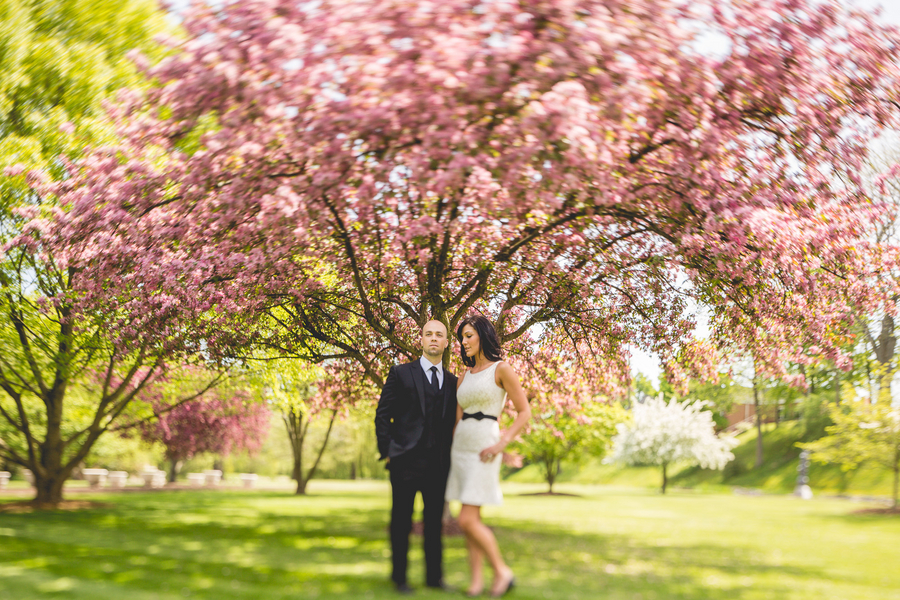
478	416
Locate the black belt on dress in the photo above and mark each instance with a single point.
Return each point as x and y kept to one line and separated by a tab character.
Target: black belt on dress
478	416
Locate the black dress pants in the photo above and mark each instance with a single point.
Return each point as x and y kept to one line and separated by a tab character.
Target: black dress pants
417	471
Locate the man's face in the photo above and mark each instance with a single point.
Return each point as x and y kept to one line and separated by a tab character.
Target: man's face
434	339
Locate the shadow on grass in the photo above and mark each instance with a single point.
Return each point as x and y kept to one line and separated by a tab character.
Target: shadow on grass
583	565
274	545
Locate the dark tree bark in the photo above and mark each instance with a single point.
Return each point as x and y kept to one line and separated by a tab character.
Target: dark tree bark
297	429
759	432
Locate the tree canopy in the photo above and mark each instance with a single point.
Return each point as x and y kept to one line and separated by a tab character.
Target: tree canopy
337	173
60	62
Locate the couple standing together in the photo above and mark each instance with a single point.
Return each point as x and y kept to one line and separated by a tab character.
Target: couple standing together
440	436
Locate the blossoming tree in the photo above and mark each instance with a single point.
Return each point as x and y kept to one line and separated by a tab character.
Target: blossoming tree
219	422
342	171
60	63
663	433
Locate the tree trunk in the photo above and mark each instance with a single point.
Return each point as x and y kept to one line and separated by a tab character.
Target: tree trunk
296	429
884	353
298	469
550	472
173	470
52	471
759	433
896	484
665	481
837	386
49	490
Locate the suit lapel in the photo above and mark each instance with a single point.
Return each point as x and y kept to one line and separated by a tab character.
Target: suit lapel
419	379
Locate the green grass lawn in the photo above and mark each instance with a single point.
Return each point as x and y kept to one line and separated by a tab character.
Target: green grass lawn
606	542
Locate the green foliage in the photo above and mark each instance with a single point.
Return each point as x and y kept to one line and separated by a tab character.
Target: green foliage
719	395
813	412
59	61
643	388
861	433
557	435
778	475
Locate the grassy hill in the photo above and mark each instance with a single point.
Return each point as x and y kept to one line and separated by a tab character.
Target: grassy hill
777	475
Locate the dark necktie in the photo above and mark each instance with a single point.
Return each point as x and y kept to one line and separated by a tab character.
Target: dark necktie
435	384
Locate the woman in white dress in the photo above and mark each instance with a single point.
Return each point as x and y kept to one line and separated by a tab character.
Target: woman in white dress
478	445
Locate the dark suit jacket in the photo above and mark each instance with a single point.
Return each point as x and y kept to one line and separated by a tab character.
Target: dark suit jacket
399	418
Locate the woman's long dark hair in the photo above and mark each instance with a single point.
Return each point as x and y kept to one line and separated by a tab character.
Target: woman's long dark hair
487	335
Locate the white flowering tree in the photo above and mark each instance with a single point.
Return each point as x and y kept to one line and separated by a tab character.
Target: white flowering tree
661	433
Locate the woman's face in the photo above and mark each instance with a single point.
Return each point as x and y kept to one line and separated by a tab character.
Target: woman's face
470	342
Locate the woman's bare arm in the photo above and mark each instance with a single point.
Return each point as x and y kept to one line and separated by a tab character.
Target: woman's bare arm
508	379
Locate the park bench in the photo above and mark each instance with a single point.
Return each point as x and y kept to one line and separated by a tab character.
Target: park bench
117	479
249	479
95	477
4	479
153	477
213	476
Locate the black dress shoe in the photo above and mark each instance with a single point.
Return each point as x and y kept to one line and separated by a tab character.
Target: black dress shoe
440	585
403	588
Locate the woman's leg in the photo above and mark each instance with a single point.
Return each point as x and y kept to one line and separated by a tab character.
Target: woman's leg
483	538
476	566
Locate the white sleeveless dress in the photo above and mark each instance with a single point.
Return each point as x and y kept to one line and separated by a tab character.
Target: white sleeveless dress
472	481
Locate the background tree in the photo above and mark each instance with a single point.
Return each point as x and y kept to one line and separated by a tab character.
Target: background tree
60	61
556	435
573	415
306	394
663	433
861	433
319	169
220	421
643	388
878	327
718	393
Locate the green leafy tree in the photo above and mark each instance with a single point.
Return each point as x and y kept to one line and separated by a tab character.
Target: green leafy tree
861	433
59	62
558	436
643	388
307	394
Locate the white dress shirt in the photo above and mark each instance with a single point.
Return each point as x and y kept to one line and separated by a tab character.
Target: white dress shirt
426	366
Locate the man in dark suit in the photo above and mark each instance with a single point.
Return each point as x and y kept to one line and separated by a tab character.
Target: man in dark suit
414	425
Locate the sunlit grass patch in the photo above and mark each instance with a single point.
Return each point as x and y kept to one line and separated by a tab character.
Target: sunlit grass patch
601	542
